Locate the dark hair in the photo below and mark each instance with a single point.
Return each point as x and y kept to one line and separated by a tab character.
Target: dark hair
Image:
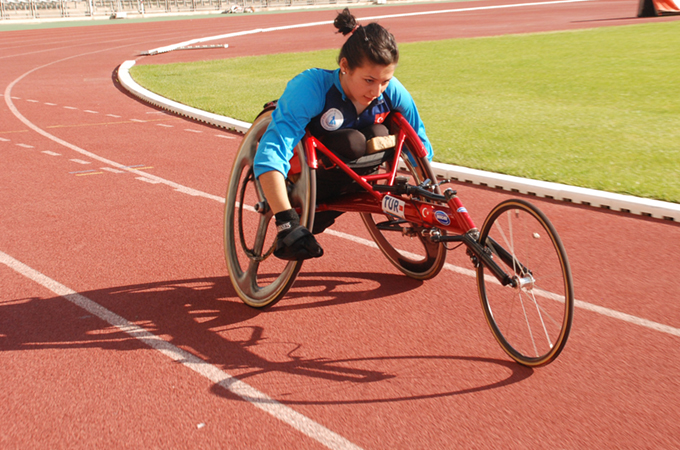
371	43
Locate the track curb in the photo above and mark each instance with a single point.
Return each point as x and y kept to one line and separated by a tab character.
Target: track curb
562	192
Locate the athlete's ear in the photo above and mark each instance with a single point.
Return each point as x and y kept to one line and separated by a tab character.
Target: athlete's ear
344	66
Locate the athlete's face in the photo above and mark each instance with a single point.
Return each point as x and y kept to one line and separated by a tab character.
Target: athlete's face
365	83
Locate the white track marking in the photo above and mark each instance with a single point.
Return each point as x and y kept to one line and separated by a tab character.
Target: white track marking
47	152
2	139
25	145
248	393
628	318
327	22
164	125
259	399
90	111
577	303
80	161
69	107
113	115
146	180
176	186
194	192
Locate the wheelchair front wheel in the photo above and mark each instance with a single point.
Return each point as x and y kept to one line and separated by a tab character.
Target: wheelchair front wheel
259	278
531	321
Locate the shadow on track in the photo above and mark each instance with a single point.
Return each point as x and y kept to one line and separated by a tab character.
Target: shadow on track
204	317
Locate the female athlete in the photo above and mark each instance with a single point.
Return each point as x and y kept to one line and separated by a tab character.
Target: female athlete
343	108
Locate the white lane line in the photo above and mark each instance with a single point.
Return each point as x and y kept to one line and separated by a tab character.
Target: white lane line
192	131
69	107
50	104
47	152
194	192
248	393
628	318
138	120
113	115
90	111
224	136
327	22
25	145
2	139
165	125
577	303
147	180
80	161
32	101
112	170
179	188
13	109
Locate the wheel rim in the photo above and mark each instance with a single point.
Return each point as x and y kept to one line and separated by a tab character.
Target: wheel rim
532	320
259	278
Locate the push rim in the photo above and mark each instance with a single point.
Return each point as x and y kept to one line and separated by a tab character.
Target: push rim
259	278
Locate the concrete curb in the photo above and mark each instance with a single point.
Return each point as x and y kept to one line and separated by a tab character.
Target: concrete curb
590	197
178	108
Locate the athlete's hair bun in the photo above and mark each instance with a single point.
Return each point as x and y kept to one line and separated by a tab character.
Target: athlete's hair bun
367	43
345	22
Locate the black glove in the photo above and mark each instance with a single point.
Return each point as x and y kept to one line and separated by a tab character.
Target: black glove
293	241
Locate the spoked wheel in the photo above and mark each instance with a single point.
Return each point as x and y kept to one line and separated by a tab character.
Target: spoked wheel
532	320
400	242
259	278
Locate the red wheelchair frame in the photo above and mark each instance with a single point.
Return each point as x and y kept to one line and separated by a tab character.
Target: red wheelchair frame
458	220
434	217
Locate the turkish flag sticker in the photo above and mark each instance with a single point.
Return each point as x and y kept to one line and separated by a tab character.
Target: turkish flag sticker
380	118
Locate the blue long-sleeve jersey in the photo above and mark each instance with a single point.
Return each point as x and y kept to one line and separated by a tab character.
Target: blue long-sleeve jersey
315	98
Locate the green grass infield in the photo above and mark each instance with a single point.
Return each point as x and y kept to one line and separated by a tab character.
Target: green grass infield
597	108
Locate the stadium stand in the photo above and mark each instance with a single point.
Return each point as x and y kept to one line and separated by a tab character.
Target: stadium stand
114	9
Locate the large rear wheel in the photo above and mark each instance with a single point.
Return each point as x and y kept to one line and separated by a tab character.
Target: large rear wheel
259	278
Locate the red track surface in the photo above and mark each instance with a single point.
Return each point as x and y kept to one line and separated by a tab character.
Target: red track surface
382	360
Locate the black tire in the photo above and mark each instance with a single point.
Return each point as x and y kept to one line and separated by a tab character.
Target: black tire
531	321
402	244
259	278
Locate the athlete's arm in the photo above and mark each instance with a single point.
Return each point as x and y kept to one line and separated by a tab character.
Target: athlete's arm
403	102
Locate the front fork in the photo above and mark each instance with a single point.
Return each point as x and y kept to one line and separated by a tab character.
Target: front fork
478	253
481	254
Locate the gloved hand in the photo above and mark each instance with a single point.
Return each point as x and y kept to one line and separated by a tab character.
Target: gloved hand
293	241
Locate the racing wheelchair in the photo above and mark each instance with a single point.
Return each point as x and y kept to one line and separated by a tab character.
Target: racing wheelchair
522	271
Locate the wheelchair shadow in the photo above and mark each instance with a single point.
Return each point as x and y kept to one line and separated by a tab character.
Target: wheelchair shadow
321	289
204	316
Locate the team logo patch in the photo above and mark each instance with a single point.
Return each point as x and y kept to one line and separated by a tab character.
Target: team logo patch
332	119
442	218
393	206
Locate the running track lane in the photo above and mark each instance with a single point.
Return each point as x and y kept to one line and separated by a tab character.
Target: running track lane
388	362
